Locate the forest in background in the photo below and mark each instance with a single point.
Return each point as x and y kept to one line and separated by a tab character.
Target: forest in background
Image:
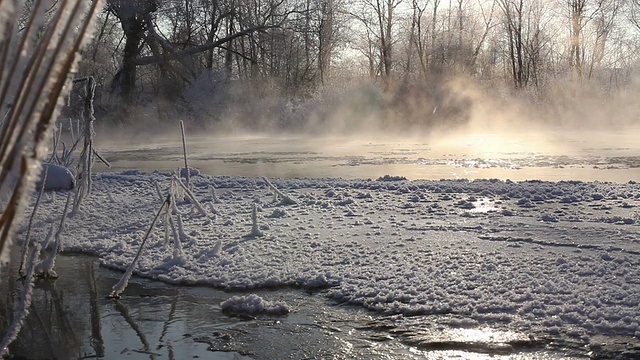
348	64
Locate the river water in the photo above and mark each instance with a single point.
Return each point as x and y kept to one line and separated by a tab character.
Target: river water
71	318
550	155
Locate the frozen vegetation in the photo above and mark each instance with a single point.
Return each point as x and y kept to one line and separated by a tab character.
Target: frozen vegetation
542	258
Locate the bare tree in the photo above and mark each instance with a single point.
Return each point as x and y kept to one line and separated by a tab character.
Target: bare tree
378	17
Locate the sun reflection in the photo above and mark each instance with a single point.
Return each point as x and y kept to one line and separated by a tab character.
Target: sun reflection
477	344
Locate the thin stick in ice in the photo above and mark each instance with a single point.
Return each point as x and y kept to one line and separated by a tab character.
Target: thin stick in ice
124	280
184	151
284	199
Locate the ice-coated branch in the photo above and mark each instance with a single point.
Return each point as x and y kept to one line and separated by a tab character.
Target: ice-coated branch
286	200
124	280
22	310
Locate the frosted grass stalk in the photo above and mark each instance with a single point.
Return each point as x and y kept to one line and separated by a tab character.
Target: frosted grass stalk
214	195
191	197
25	243
177	241
255	228
174	231
45	267
47	239
22	310
85	163
119	287
284	198
34	66
217	247
184	151
157	186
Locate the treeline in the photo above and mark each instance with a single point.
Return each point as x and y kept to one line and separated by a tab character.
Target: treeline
286	63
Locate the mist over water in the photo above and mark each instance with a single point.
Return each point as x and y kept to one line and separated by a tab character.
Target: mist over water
559	155
450	129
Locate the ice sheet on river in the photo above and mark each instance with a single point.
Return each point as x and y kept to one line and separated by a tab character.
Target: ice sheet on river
544	258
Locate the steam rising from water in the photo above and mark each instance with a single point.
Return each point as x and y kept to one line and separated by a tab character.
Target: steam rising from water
449	129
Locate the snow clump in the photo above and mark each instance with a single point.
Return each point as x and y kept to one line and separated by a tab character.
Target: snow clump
253	304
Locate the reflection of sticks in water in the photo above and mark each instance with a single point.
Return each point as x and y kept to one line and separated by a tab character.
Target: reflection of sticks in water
127	317
96	332
165	327
66	327
23	306
124	280
45	329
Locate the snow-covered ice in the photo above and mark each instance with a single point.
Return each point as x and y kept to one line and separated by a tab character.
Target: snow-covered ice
536	257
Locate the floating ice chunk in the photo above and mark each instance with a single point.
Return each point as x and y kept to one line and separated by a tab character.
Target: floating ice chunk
253	304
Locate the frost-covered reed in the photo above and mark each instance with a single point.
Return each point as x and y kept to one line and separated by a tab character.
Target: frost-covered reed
35	59
277	194
119	287
27	238
45	267
180	190
22	310
184	152
255	227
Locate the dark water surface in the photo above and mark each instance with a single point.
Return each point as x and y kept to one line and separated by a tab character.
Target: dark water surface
71	318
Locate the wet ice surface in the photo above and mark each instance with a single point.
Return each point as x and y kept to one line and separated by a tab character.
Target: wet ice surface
383	268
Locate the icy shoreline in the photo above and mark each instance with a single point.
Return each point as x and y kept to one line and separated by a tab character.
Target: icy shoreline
536	257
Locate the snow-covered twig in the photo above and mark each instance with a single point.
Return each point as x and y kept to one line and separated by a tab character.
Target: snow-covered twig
23	307
157	186
25	243
184	151
255	228
214	195
124	280
85	163
286	200
191	197
45	267
47	238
